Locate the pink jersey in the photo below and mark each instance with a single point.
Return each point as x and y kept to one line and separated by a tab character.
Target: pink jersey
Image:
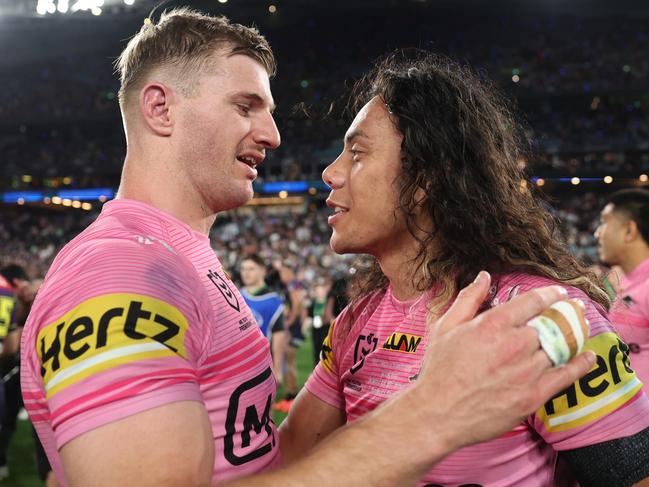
630	316
382	354
136	312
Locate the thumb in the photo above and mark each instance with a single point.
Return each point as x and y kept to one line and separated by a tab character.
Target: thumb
467	303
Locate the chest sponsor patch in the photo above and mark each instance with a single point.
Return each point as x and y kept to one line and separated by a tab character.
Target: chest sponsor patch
606	387
104	332
402	342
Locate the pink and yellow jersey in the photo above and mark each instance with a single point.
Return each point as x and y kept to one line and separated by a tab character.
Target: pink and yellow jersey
630	316
7	306
382	354
136	312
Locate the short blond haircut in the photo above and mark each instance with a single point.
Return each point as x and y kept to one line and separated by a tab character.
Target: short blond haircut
184	41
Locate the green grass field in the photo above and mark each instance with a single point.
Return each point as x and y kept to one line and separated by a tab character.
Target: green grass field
22	464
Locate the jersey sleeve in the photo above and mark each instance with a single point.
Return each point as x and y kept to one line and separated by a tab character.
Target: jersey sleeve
7	313
607	403
324	382
117	331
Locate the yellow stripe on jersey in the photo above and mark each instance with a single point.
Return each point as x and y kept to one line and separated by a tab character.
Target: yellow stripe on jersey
7	304
606	387
107	331
327	354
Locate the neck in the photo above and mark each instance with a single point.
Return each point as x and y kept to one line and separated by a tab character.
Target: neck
634	258
402	273
254	287
156	184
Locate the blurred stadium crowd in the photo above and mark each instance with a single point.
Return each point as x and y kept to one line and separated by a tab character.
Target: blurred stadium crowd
32	238
583	101
580	86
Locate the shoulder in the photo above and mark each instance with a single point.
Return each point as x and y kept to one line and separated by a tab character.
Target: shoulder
103	259
94	275
508	286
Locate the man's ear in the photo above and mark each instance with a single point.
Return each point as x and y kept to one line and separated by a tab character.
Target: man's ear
156	101
631	231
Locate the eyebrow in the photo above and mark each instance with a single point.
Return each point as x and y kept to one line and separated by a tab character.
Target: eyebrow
355	134
254	97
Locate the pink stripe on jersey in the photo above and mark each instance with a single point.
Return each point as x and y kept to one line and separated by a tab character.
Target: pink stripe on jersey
65	414
111	393
244	352
382	354
136	313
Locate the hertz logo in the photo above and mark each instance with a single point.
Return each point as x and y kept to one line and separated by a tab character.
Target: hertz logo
107	331
607	386
401	342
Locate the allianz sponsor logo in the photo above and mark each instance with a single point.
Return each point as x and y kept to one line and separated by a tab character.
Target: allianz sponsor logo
402	342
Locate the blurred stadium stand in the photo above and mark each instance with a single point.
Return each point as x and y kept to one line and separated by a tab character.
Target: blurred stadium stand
578	73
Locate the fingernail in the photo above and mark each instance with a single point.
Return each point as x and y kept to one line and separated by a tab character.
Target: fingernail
561	290
480	277
591	358
581	304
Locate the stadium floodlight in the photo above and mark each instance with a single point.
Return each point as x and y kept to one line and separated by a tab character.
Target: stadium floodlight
91	5
44	7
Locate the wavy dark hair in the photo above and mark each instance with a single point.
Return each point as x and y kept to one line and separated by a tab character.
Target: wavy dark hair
463	147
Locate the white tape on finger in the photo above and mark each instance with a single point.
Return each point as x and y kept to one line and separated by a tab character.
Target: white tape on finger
562	329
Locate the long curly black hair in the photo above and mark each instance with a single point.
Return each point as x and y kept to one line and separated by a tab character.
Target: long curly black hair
464	148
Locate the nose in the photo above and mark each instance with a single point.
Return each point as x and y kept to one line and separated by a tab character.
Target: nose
267	133
333	176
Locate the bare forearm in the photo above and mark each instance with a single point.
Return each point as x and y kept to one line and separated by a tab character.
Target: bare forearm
377	450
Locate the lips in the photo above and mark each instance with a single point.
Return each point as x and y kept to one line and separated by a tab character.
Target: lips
251	159
339	211
248	161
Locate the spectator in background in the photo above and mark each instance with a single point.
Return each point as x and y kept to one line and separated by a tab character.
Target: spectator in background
295	294
24	290
316	317
623	237
266	305
337	299
14	313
